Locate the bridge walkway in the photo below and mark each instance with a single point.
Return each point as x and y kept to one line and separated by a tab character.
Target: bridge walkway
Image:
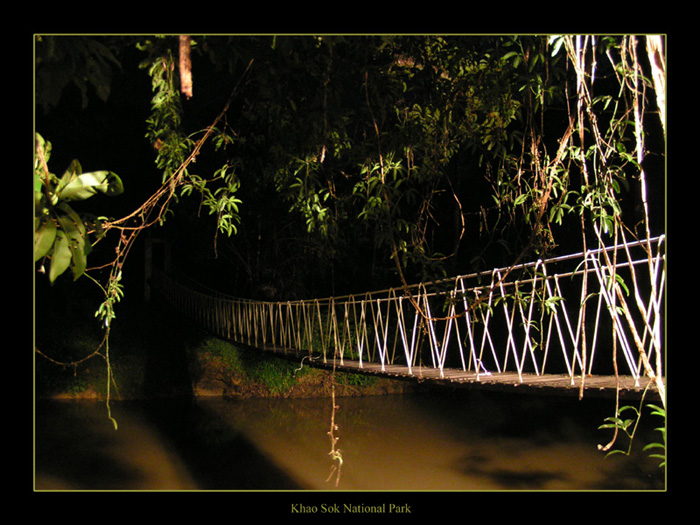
588	322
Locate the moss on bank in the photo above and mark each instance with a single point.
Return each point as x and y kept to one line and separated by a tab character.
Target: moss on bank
240	373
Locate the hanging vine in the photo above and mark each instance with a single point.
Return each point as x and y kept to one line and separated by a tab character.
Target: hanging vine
62	237
604	156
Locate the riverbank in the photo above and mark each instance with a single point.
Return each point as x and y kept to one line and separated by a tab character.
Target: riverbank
215	375
154	354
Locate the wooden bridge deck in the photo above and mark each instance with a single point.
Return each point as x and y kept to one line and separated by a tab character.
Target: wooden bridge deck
550	384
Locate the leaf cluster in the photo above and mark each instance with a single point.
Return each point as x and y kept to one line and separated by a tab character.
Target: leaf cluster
360	133
661	446
176	148
63	238
629	426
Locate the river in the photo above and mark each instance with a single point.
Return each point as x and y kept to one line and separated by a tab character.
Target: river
455	441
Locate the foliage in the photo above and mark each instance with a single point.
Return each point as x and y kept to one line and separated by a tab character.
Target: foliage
629	428
174	147
386	138
360	135
404	146
63	237
661	412
275	375
278	377
414	143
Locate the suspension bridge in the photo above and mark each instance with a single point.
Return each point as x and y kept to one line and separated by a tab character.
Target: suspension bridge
588	322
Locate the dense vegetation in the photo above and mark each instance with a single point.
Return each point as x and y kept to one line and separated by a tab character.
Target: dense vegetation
351	158
298	166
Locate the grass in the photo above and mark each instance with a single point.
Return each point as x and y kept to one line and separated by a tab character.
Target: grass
252	370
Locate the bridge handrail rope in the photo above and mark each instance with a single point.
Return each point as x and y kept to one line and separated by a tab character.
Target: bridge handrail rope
504	320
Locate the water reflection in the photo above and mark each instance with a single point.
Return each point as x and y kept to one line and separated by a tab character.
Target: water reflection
444	442
163	445
77	448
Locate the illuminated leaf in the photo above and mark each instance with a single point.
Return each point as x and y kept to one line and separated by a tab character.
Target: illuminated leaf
44	238
88	184
61	257
76	233
521	198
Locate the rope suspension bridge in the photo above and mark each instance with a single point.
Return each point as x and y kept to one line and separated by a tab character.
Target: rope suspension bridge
591	321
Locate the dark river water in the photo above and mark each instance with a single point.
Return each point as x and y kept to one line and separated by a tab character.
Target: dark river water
472	441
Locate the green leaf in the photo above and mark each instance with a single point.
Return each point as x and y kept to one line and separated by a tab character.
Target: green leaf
61	257
78	243
621	282
613	452
44	238
72	171
45	147
38	183
657	410
86	185
521	198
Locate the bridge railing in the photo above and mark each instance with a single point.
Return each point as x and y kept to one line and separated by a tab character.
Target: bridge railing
598	312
